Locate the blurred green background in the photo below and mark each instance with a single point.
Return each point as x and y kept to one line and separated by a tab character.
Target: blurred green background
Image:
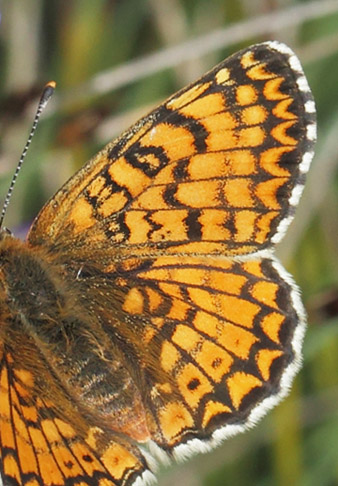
115	59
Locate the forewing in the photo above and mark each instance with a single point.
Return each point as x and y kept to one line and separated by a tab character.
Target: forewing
218	168
42	445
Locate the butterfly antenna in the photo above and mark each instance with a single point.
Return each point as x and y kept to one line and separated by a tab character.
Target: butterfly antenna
46	95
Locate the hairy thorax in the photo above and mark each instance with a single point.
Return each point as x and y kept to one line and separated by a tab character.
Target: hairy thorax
46	308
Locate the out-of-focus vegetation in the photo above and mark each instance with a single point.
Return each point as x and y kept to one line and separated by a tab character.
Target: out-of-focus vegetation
113	61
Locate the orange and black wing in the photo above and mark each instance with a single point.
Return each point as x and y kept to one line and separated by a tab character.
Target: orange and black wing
218	168
44	439
171	229
217	342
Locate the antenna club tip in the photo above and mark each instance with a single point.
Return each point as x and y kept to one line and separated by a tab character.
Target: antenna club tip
47	92
51	84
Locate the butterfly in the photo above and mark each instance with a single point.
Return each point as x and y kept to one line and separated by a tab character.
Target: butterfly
146	305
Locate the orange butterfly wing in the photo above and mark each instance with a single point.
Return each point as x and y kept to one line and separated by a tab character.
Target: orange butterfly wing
216	171
218	341
218	168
